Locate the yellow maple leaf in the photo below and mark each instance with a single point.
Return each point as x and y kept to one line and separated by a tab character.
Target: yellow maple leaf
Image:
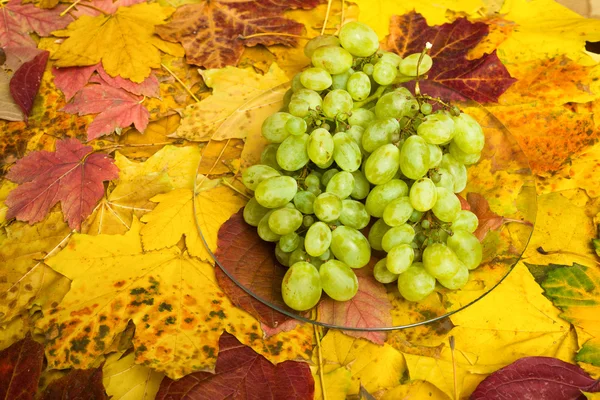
240	102
126	380
124	41
415	389
174	218
5	188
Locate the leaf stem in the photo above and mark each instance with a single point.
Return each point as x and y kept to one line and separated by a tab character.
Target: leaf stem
118	146
566	252
451	340
273	34
62	14
372	97
325	22
180	82
417	88
227	183
319	354
78	3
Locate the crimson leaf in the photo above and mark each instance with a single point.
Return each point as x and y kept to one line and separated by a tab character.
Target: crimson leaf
20	369
78	384
26	81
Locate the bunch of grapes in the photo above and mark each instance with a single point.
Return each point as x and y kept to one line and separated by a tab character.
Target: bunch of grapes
350	146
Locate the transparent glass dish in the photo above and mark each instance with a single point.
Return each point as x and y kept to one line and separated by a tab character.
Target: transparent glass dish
502	176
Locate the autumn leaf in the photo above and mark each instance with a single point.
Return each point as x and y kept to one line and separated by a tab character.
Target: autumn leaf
126	380
99	7
73	175
25	82
152	140
453	76
241	373
233	110
20	369
209	31
116	108
77	384
488	220
124	41
547	378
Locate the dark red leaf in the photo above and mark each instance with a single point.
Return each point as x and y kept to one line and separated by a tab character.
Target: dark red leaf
241	373
488	220
20	369
26	81
453	76
251	261
73	175
78	384
539	378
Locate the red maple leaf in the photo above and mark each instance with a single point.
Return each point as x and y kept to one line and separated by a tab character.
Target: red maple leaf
241	373
71	80
18	20
116	108
73	175
20	369
209	31
452	76
77	384
98	7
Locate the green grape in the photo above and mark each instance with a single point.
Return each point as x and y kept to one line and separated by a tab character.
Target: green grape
341	184
354	214
359	86
408	65
332	59
368	69
403	234
461	156
423	194
361	117
447	206
362	187
340	81
440	261
338	280
301	286
336	102
356	132
396	104
319	41
384	73
287	96
316	79
382	195
425	224
273	128
312	179
467	248
390	58
346	152
469	136
298	108
414	157
298	255
328	207
282	257
317	239
285	220
326	256
457	170
399	258
253	212
382	164
435	155
465	220
426	108
328	175
296	84
316	190
382	274
359	39
436	128
269	156
320	146
415	216
350	246
295	126
326	165
276	192
257	173
289	242
398	211
446	180
376	234
313	98
458	280
415	284
292	154
379	133
264	231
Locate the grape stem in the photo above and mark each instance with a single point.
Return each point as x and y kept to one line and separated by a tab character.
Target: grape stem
417	88
372	97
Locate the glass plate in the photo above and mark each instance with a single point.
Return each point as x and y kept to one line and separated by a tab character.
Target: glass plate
502	176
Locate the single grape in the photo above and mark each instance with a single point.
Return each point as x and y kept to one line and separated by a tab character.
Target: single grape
254	212
467	248
350	246
469	135
292	154
408	65
316	79
356	132
384	73
338	280
403	234
296	126
457	170
341	184
361	117
445	179
273	128
376	234
362	187
426	108
312	179
440	261
308	220
461	156
425	224
317	239
257	173
346	152
326	256
379	133
313	98
465	220
337	102
282	256
332	59
423	194
316	190
396	104
296	84
359	39
289	242
398	211
414	157
299	108
264	231
382	274
368	69
298	255
390	58
320	146
415	284
447	206
359	86
319	41
301	286
458	280
382	164
340	81
435	155
415	216
399	258
285	220
437	128
354	214
328	207
276	192
269	156
328	175
382	195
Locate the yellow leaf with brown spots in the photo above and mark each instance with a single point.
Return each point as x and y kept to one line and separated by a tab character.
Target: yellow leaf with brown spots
240	102
174	217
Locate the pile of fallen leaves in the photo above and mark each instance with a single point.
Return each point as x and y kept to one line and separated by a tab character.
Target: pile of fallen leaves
124	123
